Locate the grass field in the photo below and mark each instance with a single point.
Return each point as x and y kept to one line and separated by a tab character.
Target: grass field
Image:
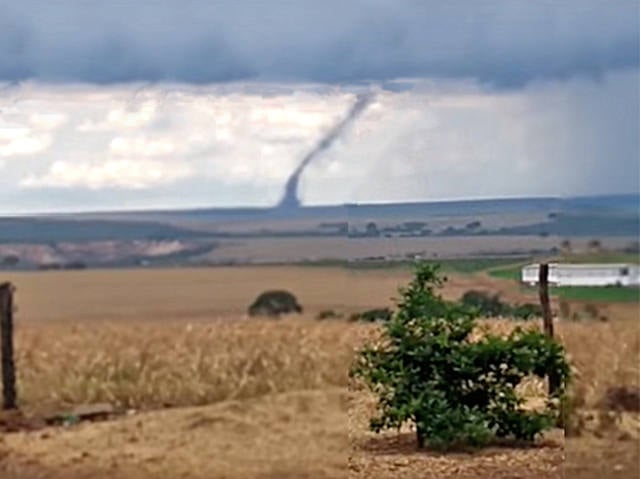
221	396
613	294
513	272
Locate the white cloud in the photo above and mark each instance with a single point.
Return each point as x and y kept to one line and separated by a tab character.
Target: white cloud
232	145
47	121
141	146
24	131
22	141
127	115
133	117
133	174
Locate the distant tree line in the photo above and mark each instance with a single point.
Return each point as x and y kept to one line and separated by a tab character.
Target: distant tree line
62	266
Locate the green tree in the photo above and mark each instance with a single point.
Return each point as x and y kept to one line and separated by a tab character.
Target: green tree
428	372
275	303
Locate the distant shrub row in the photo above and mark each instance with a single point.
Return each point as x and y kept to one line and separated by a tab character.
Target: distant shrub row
276	303
492	306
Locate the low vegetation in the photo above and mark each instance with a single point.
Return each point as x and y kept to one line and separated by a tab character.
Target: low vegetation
491	306
152	364
274	304
372	315
428	371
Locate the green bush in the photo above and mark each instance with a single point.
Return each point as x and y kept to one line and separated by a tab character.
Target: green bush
491	306
274	303
428	372
372	315
484	303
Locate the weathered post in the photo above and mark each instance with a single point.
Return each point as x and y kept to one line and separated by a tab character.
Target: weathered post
6	333
543	289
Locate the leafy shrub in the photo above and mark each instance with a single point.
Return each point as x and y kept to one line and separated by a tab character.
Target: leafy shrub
274	303
428	372
485	303
372	315
491	306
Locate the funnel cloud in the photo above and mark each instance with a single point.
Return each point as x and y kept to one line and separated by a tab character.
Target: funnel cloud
290	199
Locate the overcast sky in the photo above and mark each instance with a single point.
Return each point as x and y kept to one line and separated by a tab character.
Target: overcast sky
172	103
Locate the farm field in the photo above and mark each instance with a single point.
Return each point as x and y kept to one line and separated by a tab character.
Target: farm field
217	292
212	394
608	294
337	248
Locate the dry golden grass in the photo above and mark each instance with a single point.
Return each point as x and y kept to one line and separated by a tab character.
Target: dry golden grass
603	355
151	364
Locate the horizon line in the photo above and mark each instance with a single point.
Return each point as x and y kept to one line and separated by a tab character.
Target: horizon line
276	207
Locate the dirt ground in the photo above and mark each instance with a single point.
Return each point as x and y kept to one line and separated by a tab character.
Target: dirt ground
305	434
299	434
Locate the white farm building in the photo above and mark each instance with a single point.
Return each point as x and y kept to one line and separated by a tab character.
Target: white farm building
585	274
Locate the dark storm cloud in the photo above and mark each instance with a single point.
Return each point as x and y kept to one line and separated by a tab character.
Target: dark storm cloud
503	43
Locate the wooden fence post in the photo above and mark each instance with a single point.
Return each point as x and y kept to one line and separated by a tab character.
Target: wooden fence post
6	332
547	318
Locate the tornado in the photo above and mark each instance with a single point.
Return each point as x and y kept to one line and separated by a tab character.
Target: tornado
290	198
